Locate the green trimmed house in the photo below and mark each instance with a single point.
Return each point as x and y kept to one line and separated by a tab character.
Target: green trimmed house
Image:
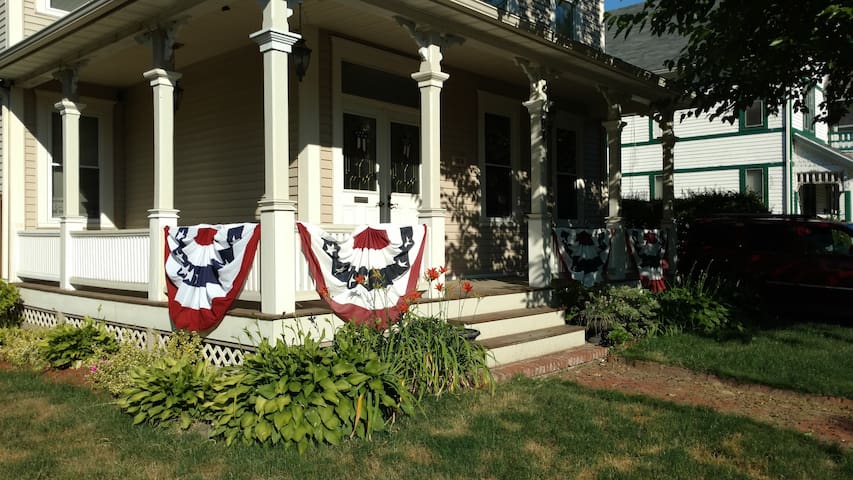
796	166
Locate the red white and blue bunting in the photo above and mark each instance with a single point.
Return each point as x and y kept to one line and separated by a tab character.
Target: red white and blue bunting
206	266
367	277
648	248
583	253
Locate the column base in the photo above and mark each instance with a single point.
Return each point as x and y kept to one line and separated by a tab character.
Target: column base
539	251
67	225
617	267
278	250
158	220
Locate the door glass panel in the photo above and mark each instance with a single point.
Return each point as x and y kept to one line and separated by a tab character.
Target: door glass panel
405	158
566	164
498	152
359	152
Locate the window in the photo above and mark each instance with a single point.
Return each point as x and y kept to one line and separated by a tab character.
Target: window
657	192
565	19
808	117
753	117
566	174
846	122
59	7
498	159
359	152
754	181
89	168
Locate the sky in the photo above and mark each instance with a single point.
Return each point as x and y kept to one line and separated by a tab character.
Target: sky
611	4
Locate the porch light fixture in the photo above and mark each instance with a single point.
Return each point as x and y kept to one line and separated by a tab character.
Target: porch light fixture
300	52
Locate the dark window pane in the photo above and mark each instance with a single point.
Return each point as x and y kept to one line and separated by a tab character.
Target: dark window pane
67	5
89	141
89	193
56	208
498	191
383	86
565	19
359	152
567	196
56	138
566	151
754	115
498	140
405	158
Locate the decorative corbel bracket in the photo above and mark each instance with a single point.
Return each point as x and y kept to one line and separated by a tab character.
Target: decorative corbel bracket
431	43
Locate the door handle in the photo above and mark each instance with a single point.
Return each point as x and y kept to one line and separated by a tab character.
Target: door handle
380	204
391	205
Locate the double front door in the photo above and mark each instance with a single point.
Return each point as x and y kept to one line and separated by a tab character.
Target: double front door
380	168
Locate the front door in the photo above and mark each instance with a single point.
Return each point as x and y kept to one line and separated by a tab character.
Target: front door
381	168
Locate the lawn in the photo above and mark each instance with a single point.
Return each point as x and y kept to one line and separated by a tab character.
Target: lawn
529	429
810	357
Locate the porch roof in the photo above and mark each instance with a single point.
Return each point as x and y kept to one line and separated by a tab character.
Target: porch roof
106	29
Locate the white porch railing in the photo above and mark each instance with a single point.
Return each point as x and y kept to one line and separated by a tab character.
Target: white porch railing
119	259
38	256
110	259
841	140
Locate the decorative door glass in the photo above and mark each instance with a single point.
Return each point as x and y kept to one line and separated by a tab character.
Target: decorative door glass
566	165
359	152
405	158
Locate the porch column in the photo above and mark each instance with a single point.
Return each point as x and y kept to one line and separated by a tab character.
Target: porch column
668	139
13	207
278	212
163	212
70	221
539	244
618	253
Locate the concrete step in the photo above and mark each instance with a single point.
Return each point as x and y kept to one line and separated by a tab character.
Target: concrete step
508	322
551	363
534	343
467	306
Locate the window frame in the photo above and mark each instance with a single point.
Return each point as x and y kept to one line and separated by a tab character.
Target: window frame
507	107
44	7
742	118
90	107
569	122
765	184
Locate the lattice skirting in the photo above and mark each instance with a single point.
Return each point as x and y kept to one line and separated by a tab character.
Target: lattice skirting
217	353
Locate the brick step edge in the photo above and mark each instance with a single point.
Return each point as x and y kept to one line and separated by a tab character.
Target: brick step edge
551	363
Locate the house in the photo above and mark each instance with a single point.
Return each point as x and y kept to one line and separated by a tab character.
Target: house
122	117
794	165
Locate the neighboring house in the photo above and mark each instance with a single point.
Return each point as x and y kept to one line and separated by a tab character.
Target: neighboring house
406	111
795	166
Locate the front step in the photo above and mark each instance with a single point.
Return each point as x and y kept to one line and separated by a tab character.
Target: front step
551	363
509	322
533	343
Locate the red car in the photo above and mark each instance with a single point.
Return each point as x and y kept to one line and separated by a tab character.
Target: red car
790	261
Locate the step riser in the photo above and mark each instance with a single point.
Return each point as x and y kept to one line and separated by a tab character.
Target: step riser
510	326
523	351
474	305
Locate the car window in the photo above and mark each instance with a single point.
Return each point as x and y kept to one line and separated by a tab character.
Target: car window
842	242
824	240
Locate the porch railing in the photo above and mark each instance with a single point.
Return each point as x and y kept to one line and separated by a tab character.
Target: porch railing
39	255
118	259
841	140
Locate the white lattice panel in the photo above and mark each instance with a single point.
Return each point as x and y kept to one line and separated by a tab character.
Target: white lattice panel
39	318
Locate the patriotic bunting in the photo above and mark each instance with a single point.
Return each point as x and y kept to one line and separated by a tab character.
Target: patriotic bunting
583	253
206	266
648	247
368	277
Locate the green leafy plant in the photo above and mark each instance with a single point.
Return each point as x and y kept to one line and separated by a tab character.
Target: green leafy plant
306	394
11	305
621	313
21	347
695	303
429	354
170	389
66	345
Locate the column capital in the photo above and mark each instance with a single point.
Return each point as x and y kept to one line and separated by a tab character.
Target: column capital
275	40
162	77
613	222
68	107
276	205
432	213
163	213
537	106
613	125
430	79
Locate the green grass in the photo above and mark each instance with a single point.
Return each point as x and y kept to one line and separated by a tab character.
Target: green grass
548	429
811	358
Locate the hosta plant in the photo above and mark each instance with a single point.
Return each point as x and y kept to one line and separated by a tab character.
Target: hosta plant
300	395
66	345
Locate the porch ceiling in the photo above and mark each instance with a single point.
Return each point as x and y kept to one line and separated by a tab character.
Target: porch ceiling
104	34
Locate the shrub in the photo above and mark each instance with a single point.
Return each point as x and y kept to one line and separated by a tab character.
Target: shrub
429	354
172	388
112	370
620	312
11	305
21	347
306	394
696	303
66	345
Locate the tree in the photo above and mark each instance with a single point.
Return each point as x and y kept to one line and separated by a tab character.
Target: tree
739	51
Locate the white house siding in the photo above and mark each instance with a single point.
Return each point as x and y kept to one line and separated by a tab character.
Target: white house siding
700	126
699	182
635	187
636	129
775	193
33	19
219	166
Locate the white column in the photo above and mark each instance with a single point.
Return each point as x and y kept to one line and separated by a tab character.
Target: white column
278	212
668	139
163	212
310	200
618	253
70	221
